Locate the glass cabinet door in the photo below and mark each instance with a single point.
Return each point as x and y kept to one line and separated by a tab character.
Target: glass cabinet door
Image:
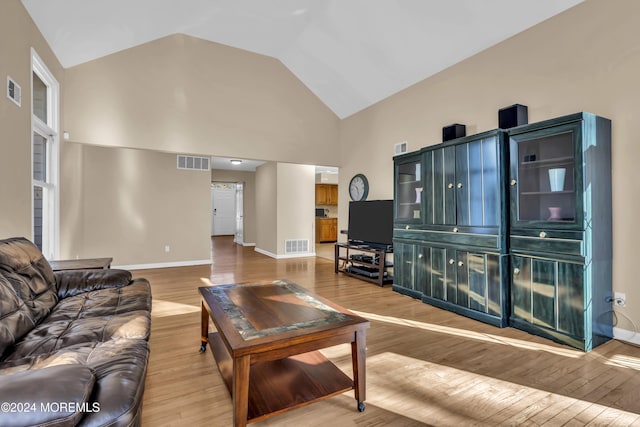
409	190
545	177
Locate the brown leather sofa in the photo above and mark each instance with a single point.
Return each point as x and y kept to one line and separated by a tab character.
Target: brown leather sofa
73	344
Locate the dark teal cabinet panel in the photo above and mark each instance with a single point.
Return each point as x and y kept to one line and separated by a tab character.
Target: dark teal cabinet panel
442	174
408	269
467	282
548	298
464	183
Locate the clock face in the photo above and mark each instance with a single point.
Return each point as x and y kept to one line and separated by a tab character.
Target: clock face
358	187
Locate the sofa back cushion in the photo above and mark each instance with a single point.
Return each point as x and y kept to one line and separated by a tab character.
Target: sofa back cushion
15	317
25	268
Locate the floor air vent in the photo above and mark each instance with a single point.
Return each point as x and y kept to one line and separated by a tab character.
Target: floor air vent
297	246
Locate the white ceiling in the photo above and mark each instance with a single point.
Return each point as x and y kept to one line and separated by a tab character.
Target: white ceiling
225	164
350	53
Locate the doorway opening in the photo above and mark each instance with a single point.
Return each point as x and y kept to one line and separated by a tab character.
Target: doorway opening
227	203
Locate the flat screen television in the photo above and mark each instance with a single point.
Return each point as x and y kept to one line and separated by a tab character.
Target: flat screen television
371	223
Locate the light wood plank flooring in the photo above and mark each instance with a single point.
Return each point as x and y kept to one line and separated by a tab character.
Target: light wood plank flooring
425	366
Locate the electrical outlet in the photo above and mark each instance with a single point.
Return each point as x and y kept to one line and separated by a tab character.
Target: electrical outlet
619	298
167	248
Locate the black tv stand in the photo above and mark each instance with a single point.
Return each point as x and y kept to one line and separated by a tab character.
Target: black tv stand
364	262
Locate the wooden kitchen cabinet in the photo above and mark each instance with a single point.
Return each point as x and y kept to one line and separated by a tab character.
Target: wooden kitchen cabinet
326	230
326	194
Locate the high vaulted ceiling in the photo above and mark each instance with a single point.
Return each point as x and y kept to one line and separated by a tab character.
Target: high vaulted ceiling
350	53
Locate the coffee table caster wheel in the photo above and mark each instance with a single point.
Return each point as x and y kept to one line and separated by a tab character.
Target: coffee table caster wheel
203	348
361	407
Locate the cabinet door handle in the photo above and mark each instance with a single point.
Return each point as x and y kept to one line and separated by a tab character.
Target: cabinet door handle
420	256
460	263
450	185
542	234
513	182
516	271
459	185
451	261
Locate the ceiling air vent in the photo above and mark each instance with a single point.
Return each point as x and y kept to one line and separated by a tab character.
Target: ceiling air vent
400	147
14	92
193	163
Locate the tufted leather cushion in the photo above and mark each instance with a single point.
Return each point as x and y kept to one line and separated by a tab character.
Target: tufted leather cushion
15	317
25	268
96	316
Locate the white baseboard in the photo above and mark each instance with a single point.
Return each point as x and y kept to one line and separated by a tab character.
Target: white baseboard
625	335
276	256
162	265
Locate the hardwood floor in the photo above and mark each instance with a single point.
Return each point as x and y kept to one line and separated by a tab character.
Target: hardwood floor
425	366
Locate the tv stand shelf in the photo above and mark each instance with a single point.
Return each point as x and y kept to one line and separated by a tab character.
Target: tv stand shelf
364	262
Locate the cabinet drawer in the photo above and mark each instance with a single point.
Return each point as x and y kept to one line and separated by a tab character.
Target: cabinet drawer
547	245
448	238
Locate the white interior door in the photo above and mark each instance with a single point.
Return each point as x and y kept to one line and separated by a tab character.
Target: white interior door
223	208
239	213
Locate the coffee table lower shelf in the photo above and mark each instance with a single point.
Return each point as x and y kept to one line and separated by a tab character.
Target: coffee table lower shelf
281	385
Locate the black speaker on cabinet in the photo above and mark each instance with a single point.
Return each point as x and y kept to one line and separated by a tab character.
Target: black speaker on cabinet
512	116
453	131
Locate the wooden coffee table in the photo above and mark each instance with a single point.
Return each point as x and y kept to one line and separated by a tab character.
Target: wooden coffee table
266	346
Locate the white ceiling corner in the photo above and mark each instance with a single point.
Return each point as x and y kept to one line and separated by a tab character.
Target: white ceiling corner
350	53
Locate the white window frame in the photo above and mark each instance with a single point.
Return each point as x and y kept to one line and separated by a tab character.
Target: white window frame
49	130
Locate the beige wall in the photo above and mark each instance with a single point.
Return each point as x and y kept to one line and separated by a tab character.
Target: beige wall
249	202
285	205
267	208
18	34
586	59
296	204
183	94
135	202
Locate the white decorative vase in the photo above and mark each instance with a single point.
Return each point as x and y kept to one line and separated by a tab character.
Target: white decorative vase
556	178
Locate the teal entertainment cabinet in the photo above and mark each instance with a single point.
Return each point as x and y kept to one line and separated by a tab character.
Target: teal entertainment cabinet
512	227
450	228
560	229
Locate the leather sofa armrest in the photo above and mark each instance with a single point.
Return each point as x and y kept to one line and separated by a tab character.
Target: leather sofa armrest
52	396
74	282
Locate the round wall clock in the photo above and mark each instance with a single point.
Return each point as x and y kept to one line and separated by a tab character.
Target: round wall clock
358	187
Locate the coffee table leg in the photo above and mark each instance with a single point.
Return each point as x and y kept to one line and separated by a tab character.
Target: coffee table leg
204	328
358	359
240	390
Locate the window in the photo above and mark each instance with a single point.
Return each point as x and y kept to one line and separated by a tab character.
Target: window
45	155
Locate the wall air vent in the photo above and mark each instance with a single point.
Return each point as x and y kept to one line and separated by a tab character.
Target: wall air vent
400	147
296	246
14	92
193	163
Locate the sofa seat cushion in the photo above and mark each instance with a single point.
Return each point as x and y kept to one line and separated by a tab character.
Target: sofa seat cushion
91	317
62	402
119	367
